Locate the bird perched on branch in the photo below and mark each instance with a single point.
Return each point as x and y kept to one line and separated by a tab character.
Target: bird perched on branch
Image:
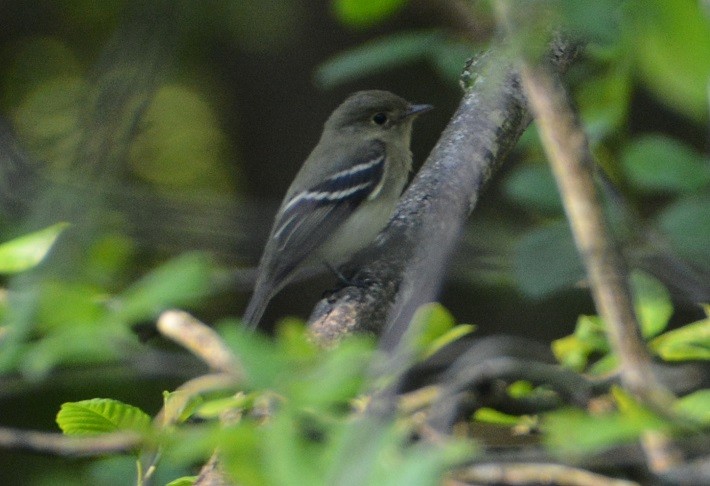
344	194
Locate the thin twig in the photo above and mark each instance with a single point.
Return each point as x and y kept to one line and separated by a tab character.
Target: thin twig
174	408
200	339
63	445
533	473
567	149
212	474
568	152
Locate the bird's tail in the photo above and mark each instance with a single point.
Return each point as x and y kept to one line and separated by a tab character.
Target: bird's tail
257	305
268	284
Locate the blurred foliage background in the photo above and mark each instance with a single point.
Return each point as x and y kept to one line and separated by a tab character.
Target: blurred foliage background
165	134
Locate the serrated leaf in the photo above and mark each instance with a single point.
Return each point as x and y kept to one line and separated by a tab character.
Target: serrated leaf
29	250
101	416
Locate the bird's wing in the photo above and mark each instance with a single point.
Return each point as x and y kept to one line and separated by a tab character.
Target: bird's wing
309	217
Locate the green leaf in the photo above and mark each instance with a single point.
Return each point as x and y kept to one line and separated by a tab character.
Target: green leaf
178	405
289	453
604	100
429	322
293	341
370	451
180	281
29	250
212	409
492	416
695	405
520	389
101	416
687	226
594	433
362	13
652	302
605	365
593	21
571	352
263	362
450	336
244	456
546	261
449	57
423	465
183	481
656	163
77	343
689	342
109	258
69	304
626	403
589	337
670	43
336	378
376	56
533	187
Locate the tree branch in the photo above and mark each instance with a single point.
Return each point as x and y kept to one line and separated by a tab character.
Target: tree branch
568	152
532	473
571	160
63	445
201	340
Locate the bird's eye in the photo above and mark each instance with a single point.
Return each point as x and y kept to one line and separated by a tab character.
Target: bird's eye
379	118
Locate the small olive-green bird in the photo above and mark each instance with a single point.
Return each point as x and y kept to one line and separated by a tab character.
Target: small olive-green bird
344	194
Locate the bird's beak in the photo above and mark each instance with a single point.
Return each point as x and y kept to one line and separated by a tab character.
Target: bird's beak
416	110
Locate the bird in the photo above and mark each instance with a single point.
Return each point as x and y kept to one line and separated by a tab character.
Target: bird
343	195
